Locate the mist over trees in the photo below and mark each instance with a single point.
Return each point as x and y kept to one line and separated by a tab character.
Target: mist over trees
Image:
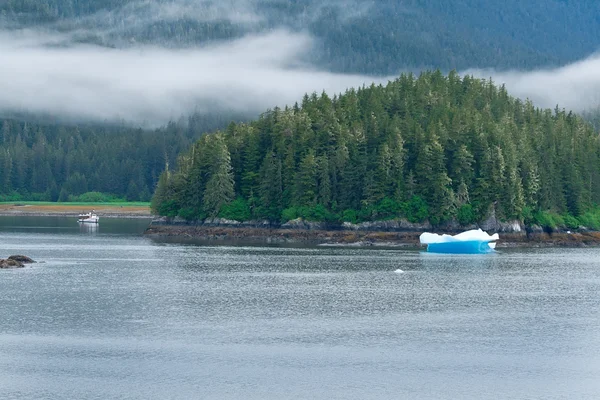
372	37
429	148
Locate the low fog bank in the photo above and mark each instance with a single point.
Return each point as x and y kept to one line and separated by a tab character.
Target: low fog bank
151	85
572	87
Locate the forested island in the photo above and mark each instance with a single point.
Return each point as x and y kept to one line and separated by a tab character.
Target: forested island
437	149
430	148
49	157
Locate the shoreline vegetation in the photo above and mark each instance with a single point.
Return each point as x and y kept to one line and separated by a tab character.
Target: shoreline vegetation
391	233
48	209
397	233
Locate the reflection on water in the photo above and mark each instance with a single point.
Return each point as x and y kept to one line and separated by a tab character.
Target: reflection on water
69	225
111	314
458	261
88	228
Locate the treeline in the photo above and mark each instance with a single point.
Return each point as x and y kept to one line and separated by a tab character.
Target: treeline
431	148
59	162
379	37
593	117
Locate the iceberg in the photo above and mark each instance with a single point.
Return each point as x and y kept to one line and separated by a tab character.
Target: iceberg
474	241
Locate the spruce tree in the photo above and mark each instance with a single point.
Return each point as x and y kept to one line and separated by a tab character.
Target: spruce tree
220	186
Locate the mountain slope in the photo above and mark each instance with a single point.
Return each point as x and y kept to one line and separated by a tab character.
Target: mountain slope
382	37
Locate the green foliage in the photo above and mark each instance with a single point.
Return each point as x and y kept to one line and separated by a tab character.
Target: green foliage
388	209
290	214
416	210
169	208
164	192
320	213
350	216
220	185
528	216
237	210
317	212
92	205
590	219
466	215
571	222
96	197
74	159
63	196
188	213
450	141
10	197
547	219
133	193
39	197
423	148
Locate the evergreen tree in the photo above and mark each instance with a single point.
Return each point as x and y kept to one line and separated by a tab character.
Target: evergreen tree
220	186
426	147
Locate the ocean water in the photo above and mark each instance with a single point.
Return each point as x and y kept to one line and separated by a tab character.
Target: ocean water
111	314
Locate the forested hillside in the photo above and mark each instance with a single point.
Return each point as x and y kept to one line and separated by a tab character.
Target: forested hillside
428	148
373	37
593	117
61	160
50	162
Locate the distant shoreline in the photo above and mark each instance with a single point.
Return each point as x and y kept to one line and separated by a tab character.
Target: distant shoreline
352	238
72	210
71	215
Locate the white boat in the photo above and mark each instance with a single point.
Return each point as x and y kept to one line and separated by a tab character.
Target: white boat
89	218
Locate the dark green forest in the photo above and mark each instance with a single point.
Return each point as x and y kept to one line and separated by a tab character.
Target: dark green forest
61	160
431	148
373	37
51	162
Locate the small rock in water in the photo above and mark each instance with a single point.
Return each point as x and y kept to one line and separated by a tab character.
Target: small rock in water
6	264
22	259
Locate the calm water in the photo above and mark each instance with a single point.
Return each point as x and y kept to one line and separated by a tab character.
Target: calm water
113	315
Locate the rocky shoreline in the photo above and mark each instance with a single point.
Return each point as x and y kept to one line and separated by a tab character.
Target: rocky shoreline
396	233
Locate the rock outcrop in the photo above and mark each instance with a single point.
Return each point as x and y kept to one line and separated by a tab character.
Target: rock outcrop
299	223
393	225
22	259
492	224
213	222
17	261
7	264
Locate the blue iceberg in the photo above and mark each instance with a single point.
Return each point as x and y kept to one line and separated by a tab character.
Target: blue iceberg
474	241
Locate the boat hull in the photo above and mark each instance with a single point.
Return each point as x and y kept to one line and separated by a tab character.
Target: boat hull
461	247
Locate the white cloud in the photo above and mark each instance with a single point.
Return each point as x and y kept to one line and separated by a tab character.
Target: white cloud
152	85
43	72
573	87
